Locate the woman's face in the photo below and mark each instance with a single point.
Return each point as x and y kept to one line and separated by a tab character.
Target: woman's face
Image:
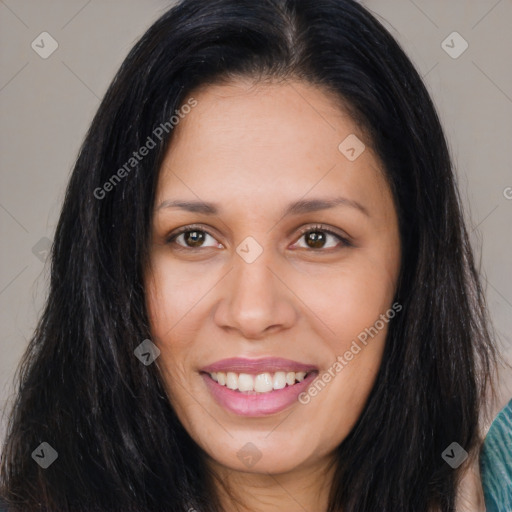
245	298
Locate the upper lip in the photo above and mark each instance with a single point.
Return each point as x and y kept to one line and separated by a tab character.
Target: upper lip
255	366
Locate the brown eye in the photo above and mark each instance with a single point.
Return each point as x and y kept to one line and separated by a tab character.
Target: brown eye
315	239
194	238
318	237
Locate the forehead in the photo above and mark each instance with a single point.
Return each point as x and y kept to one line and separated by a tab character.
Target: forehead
241	118
258	141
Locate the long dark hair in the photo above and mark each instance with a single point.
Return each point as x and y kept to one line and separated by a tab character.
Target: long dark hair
120	445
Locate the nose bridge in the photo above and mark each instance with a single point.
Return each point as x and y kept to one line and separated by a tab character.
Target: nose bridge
255	299
254	285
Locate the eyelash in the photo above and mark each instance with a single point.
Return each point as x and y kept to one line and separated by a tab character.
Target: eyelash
310	229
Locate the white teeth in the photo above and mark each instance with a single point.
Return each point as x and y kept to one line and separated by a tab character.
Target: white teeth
261	383
279	381
300	376
232	380
245	382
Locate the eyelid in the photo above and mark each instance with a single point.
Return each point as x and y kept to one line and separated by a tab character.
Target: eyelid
343	238
189	227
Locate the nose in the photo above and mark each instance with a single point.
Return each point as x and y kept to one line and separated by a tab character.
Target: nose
256	300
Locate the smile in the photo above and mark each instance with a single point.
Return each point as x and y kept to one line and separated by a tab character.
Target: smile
257	387
260	383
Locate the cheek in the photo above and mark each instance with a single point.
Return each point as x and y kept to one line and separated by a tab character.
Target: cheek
173	292
349	298
354	302
170	299
338	396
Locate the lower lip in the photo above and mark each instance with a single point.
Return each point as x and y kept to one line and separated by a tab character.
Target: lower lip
260	404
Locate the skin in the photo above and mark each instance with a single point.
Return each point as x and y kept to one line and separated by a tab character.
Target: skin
254	148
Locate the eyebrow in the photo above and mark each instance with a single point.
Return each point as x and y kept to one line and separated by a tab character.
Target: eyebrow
296	208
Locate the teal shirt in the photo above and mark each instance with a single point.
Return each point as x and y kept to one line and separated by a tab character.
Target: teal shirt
496	463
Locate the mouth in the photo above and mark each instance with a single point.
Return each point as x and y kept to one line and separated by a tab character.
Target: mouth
257	387
261	383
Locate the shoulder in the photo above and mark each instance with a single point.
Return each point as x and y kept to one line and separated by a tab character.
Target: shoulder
496	463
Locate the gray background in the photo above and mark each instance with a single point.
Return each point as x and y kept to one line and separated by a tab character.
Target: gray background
47	105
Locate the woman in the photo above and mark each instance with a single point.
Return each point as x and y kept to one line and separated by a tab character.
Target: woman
263	296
